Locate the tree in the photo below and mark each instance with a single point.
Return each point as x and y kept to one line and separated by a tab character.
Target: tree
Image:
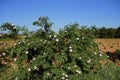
10	29
117	33
45	26
95	31
110	33
44	23
102	32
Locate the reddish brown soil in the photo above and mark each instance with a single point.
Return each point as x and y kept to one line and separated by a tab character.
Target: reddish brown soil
108	45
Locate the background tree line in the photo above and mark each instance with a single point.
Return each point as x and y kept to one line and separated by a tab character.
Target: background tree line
104	32
12	31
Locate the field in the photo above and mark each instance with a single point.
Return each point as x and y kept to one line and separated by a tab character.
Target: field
105	45
108	45
6	43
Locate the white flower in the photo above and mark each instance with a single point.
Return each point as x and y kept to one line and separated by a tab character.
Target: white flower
26	52
69	68
75	65
83	38
34	58
65	31
29	69
63	77
45	41
95	53
66	75
70	47
57	40
80	58
16	78
23	41
107	56
100	55
50	36
15	44
77	38
89	61
63	74
18	42
3	54
28	44
0	55
35	67
29	35
54	36
12	24
66	79
48	74
44	53
14	67
35	48
15	59
79	72
48	42
71	50
14	27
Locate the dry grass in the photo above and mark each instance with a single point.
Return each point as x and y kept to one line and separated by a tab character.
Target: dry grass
6	43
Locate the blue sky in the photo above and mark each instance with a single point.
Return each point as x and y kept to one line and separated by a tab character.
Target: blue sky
61	12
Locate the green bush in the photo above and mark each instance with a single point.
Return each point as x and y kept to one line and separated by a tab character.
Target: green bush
3	58
69	54
109	72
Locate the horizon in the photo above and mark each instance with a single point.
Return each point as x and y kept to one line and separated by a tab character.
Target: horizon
84	12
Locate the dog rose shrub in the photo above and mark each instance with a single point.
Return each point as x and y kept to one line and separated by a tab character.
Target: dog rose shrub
67	55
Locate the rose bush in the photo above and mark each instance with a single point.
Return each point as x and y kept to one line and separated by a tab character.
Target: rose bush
69	54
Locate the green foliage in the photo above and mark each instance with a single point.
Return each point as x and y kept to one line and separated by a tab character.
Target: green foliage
3	57
109	72
104	32
12	31
117	32
11	28
69	54
44	23
66	55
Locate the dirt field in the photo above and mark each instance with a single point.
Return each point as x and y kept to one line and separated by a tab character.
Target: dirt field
108	45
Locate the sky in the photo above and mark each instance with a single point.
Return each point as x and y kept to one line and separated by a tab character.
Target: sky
61	12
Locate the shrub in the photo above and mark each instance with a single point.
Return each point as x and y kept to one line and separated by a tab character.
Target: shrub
3	58
69	54
109	72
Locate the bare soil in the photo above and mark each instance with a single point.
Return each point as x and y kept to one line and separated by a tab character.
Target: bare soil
108	45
